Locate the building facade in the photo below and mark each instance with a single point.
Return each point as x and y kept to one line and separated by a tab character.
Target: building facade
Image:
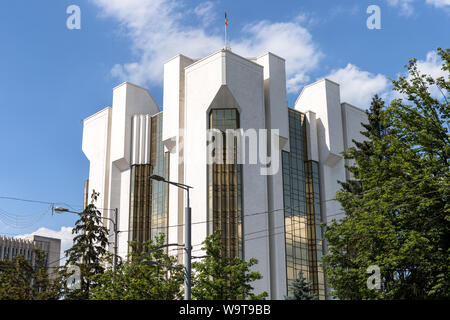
12	247
268	202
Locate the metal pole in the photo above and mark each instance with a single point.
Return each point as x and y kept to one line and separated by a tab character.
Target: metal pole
225	37
188	248
116	211
225	30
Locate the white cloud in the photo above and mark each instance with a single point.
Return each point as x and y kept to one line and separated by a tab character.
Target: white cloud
431	66
205	12
359	86
288	40
65	234
405	6
160	29
439	3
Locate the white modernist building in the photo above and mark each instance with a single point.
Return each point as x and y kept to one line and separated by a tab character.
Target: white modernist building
272	215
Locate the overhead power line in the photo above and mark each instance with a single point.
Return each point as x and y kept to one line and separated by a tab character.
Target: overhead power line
40	201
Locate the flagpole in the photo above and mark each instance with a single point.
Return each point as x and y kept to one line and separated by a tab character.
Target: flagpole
225	36
225	30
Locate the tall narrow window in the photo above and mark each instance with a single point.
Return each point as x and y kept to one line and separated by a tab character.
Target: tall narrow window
149	198
302	208
225	187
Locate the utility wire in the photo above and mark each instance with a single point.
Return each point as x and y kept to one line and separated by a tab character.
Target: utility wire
7	215
40	201
281	210
20	222
279	233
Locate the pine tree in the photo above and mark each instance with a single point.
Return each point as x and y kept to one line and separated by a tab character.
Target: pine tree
301	289
88	252
374	129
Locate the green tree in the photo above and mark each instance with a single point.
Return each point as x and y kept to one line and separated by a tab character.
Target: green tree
88	251
20	279
218	277
47	284
16	279
397	215
301	289
148	274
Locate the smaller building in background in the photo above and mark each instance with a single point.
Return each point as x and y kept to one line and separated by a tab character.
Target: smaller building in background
12	247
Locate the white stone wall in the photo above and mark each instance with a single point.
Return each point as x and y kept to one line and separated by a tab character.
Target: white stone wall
331	127
276	116
96	146
172	136
352	117
245	80
113	140
323	98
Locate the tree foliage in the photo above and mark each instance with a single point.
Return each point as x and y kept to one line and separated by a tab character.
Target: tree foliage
397	215
218	277
301	289
21	279
148	274
89	249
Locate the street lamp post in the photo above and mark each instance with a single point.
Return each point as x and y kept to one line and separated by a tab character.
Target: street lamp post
114	222
187	235
116	234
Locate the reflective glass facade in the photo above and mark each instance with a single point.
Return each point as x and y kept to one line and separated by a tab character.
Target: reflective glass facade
160	190
225	187
302	208
149	198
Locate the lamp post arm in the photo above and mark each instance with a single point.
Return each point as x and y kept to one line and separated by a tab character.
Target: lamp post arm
179	185
153	262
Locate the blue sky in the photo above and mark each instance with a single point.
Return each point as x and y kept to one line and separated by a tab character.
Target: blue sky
53	77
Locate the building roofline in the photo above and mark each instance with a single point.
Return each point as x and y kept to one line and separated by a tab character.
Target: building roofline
312	84
45	237
139	87
226	50
95	114
353	106
130	83
179	55
272	54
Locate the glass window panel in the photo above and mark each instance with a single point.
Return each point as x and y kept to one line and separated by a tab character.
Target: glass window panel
301	191
225	188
